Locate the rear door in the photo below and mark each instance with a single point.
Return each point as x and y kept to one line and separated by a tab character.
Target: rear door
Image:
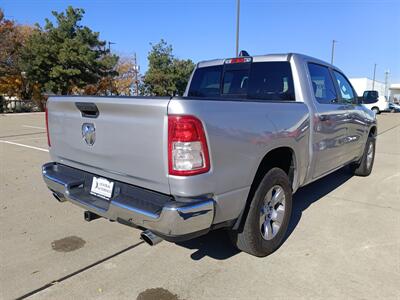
330	122
121	138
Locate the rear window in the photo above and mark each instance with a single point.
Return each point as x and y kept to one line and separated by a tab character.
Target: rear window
262	80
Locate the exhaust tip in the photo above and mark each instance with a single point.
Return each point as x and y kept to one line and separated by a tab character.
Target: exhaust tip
59	197
150	238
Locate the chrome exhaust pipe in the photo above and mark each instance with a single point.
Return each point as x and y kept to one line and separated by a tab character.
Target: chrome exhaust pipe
60	198
150	238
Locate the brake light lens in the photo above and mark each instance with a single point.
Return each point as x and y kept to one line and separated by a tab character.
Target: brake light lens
238	60
187	146
47	127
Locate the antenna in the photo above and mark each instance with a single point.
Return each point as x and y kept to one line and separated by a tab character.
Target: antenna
243	53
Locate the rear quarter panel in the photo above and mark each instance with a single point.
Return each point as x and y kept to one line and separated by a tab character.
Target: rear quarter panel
239	135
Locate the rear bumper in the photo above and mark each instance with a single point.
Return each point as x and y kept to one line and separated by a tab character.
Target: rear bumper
131	205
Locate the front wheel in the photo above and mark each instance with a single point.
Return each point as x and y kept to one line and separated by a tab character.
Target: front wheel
268	217
364	166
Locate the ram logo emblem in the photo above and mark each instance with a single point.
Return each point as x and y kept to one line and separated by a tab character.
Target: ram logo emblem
89	133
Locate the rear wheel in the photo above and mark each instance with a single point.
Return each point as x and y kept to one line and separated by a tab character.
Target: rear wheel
268	216
364	166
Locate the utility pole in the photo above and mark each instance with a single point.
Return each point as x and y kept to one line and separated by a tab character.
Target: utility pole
387	72
109	45
333	51
237	27
373	80
136	72
111	81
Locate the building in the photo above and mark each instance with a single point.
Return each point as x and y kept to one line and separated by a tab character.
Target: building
365	84
394	92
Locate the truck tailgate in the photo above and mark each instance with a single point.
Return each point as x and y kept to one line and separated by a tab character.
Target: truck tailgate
130	138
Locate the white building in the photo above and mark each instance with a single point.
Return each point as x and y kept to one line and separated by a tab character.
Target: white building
362	84
394	91
365	84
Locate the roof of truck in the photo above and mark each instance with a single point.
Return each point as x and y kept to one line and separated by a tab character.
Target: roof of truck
265	57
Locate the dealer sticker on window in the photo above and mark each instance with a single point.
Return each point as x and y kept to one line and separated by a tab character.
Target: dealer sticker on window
102	187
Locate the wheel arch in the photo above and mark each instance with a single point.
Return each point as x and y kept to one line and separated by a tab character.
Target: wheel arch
282	157
373	131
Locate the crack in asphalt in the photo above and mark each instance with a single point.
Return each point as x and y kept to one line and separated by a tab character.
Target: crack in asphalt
50	284
23	134
380	133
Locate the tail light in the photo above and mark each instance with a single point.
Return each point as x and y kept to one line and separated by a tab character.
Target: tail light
47	128
187	146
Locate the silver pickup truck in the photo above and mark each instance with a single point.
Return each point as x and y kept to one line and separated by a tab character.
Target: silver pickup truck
248	132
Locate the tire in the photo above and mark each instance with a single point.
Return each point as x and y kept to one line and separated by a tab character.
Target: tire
265	226
365	165
376	110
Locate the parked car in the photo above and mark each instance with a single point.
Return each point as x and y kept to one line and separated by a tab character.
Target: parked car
394	107
248	132
375	102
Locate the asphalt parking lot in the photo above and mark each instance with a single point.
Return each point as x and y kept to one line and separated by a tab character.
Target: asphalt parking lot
344	238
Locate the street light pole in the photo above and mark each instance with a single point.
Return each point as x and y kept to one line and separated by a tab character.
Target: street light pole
373	80
237	27
333	50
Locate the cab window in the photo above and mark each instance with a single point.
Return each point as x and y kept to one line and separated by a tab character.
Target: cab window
322	83
346	91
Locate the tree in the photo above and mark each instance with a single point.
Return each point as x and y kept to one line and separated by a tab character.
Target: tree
128	73
166	75
66	56
121	85
12	40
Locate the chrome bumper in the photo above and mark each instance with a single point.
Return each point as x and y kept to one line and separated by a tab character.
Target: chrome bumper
172	219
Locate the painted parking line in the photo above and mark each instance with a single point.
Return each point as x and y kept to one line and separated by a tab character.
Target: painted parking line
29	139
22	145
35	127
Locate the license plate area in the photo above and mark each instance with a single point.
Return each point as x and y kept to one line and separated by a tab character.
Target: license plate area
102	187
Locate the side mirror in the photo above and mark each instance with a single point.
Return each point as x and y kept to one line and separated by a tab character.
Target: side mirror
371	95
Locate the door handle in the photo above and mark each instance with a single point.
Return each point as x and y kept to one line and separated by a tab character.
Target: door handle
324	118
88	110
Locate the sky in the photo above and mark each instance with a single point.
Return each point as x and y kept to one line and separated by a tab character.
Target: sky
367	32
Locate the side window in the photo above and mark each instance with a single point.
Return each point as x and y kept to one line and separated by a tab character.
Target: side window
321	79
345	88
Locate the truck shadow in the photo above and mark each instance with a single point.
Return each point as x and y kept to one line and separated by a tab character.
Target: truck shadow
217	245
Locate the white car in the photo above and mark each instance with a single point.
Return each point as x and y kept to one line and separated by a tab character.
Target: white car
373	101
